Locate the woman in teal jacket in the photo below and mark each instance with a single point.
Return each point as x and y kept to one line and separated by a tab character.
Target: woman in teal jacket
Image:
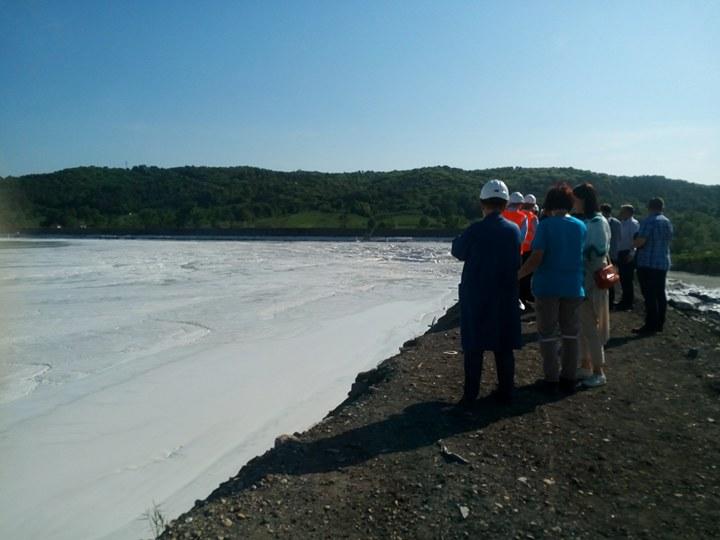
594	312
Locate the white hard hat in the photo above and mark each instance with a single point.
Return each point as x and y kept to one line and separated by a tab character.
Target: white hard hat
529	199
495	189
516	197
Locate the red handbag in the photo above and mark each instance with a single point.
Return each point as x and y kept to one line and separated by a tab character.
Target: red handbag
607	276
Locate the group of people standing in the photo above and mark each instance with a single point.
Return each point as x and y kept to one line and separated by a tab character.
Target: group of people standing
517	255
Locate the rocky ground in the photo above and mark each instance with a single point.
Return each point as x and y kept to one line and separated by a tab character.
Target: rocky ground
638	458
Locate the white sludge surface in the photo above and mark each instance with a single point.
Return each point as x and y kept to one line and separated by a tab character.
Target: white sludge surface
695	292
139	372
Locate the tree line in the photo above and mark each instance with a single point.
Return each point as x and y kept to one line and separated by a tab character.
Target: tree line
151	198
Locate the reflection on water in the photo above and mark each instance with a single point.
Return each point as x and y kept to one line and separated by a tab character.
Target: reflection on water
29	244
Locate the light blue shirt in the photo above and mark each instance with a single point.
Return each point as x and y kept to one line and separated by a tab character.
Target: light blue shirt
657	231
561	273
628	229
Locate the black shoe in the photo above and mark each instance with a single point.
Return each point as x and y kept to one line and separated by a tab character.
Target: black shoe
550	388
567	386
503	398
623	307
644	331
464	407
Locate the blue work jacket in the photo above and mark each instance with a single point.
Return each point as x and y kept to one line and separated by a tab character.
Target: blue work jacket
489	307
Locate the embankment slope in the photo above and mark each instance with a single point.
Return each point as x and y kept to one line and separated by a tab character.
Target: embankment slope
638	458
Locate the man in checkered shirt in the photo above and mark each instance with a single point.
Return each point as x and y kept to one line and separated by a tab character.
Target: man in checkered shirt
653	262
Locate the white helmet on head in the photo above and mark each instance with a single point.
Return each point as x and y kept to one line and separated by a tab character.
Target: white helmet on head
495	189
529	199
516	198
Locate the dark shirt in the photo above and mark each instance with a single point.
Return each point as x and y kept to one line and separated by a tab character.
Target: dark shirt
489	306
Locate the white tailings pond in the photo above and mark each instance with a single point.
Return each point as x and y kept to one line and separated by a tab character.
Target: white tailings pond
135	372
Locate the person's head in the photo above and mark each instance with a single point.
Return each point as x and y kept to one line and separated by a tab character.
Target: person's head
529	202
558	199
606	210
586	202
494	196
656	205
516	199
626	211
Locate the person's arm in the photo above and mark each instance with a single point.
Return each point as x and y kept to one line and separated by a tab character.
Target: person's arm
532	263
538	246
641	236
461	245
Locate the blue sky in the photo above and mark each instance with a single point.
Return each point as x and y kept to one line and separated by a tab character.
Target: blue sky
618	87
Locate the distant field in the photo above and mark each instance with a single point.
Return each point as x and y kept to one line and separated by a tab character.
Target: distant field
311	220
314	219
698	263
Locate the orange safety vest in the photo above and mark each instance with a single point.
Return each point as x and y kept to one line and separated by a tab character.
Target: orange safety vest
519	218
532	225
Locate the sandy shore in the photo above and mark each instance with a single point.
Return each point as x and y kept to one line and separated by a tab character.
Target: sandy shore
638	458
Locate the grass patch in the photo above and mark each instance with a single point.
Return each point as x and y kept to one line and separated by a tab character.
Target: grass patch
309	220
156	520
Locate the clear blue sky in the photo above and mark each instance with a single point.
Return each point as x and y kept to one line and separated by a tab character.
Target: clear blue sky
620	87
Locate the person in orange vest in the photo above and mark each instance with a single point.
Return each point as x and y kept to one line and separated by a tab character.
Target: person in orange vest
514	213
528	208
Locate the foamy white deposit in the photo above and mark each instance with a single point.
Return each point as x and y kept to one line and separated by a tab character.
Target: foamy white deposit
694	292
134	372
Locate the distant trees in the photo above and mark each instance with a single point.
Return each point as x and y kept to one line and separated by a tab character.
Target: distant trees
148	198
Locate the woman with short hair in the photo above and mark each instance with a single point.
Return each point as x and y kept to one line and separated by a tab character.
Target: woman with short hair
557	284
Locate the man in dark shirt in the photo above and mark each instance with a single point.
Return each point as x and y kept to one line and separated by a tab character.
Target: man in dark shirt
626	257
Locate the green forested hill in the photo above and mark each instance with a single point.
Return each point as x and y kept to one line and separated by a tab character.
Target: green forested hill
150	198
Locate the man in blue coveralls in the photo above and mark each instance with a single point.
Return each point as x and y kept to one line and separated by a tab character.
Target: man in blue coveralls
489	306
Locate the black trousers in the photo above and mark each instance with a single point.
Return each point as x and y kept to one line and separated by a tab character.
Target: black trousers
627	275
505	366
652	285
525	284
611	290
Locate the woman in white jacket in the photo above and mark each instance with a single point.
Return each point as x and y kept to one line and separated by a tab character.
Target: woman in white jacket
594	311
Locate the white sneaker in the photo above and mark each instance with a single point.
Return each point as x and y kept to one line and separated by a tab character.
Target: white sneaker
594	381
583	373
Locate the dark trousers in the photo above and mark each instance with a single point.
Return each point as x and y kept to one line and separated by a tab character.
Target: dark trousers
627	275
525	291
652	285
505	366
611	290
